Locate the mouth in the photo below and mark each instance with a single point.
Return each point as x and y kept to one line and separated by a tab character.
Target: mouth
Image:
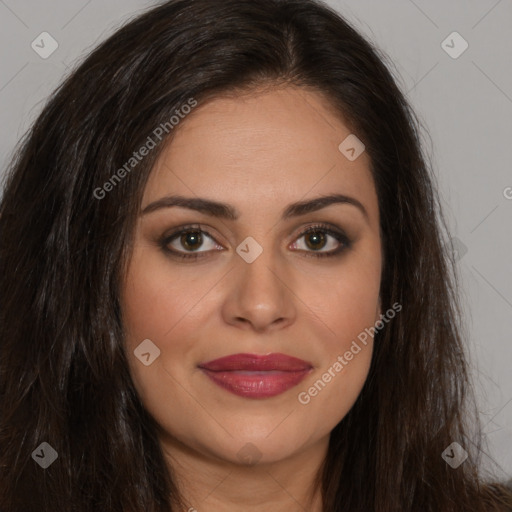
256	376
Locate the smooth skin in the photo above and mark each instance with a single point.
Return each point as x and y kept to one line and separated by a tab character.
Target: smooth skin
258	152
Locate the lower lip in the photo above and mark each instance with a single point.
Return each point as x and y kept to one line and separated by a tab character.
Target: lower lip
262	384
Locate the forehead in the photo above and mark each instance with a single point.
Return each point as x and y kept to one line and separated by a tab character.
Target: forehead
262	150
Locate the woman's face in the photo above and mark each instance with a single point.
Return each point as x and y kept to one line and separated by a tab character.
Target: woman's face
257	286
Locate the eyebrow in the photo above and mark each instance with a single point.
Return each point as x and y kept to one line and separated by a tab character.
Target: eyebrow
228	212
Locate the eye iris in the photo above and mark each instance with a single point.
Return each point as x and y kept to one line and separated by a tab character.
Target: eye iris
314	238
191	239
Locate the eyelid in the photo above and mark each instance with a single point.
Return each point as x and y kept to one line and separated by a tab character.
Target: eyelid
326	227
331	230
175	233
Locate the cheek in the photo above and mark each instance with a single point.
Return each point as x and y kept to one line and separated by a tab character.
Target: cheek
347	308
159	306
346	301
329	394
155	302
353	304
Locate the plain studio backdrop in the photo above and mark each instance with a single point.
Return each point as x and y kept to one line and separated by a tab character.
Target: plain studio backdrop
453	59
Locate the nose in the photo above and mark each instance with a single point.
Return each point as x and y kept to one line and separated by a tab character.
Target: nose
260	295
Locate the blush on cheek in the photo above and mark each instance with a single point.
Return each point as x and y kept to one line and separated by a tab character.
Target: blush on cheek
154	304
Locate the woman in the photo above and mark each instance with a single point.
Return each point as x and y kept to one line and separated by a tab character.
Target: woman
225	284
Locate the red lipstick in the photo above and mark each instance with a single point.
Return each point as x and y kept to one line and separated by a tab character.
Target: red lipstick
256	376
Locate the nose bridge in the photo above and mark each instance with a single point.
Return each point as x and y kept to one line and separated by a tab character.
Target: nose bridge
258	268
259	294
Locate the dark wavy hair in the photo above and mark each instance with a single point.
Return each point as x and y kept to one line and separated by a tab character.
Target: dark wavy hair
64	375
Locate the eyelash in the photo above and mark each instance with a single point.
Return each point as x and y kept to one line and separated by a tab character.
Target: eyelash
338	235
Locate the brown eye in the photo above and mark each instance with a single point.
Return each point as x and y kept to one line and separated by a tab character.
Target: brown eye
315	240
187	242
191	240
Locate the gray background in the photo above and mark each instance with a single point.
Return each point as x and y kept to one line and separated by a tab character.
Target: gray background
465	103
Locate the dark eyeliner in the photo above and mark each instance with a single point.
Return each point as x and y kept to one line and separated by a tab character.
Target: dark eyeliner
338	235
168	238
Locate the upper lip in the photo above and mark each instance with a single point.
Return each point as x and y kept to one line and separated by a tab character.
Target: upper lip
254	362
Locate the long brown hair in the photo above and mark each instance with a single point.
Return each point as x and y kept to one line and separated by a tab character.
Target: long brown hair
64	375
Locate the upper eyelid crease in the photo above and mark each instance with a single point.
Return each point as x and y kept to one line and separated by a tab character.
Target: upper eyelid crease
228	212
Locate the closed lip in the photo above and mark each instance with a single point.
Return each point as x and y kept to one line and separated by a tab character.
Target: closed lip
255	362
256	376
